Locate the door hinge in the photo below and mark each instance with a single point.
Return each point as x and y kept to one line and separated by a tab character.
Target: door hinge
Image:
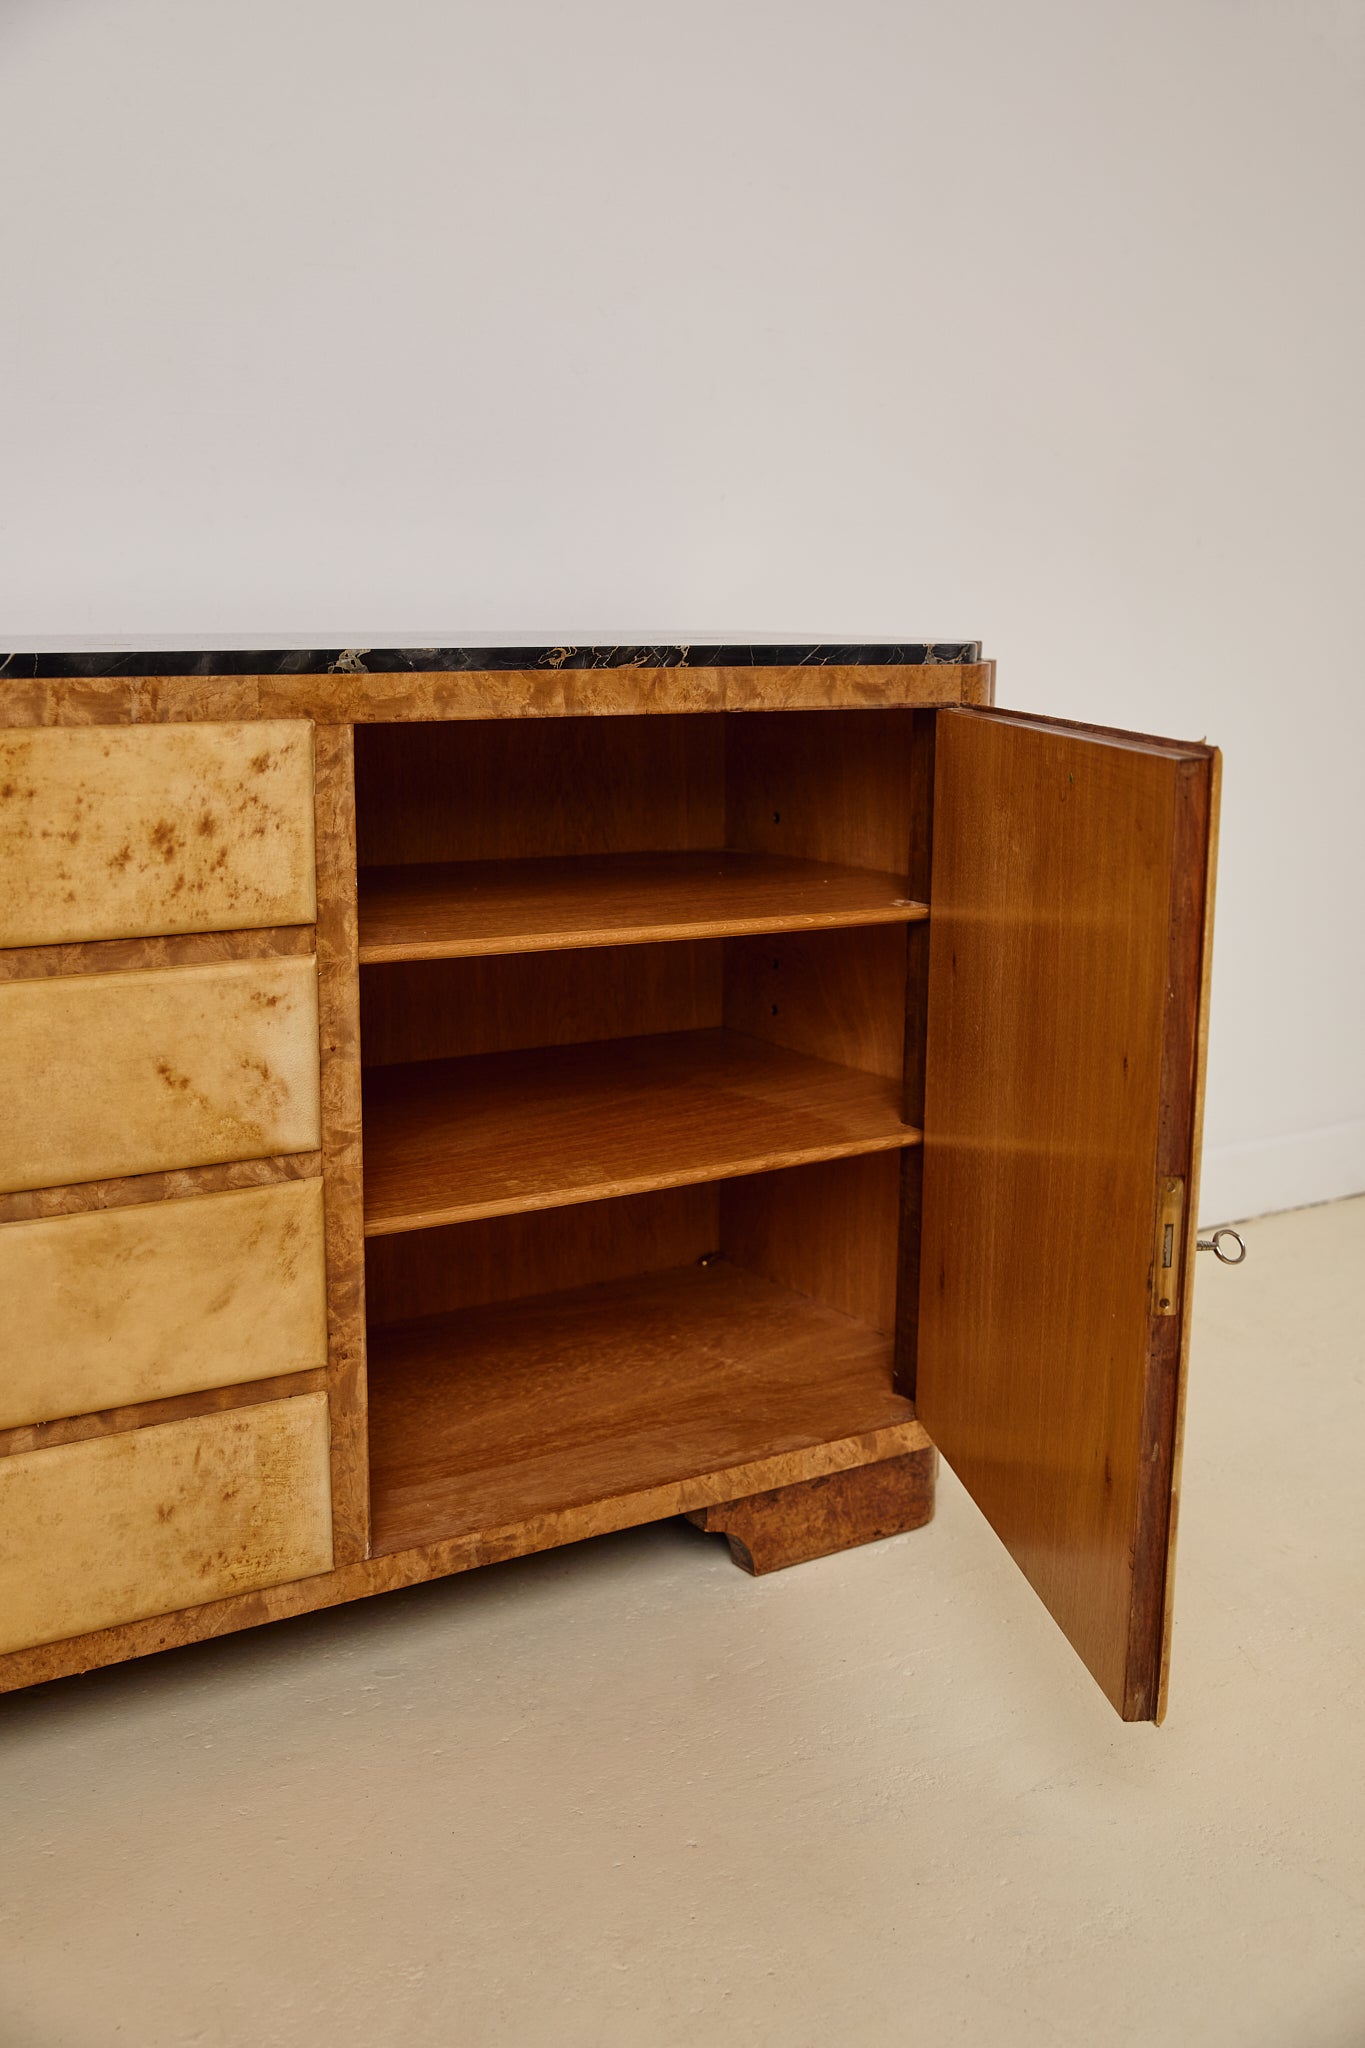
1170	1246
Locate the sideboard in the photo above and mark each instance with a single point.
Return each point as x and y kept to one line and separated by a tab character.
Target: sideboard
458	1101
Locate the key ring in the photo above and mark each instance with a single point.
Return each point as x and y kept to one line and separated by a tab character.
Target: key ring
1213	1244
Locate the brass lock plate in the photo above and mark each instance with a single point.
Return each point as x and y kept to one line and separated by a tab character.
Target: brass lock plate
1170	1246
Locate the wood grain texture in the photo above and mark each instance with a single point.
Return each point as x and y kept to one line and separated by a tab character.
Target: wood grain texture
456	1554
74	1429
829	1231
447	1009
441	911
449	1140
820	1517
386	697
133	1304
512	1413
920	871
137	1073
836	995
551	1248
511	791
125	1190
857	687
1066	890
123	956
828	786
416	1273
109	833
978	683
121	1527
1196	1142
342	1163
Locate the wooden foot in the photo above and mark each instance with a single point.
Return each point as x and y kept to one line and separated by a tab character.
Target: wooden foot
816	1517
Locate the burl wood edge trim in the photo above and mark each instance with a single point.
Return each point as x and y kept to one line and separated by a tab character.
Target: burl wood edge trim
339	1033
132	1188
491	1546
818	1517
74	1429
349	699
129	956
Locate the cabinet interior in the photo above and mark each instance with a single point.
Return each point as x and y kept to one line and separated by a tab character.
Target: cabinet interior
641	1025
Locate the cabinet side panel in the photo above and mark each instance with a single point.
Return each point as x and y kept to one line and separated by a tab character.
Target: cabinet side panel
835	995
920	874
828	1231
339	1042
825	785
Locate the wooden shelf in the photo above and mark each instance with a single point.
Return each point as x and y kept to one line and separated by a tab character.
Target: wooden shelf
456	908
448	1140
617	1398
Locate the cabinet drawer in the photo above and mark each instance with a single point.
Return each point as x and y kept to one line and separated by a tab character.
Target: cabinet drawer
114	832
104	1074
120	1527
123	1305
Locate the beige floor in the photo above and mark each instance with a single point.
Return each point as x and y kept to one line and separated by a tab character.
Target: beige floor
625	1795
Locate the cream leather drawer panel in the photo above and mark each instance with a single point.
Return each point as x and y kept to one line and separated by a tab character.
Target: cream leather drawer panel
120	831
120	1527
104	1074
123	1305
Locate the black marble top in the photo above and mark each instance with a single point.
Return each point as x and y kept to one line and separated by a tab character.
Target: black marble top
386	660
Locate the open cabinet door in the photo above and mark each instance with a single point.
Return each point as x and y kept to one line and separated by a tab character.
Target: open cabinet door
1068	960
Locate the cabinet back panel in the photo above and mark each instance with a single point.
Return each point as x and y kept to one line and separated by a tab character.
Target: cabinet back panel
444	1009
511	788
828	1231
466	1265
837	995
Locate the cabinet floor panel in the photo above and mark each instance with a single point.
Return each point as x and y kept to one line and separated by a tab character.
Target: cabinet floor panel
456	908
496	1415
449	1140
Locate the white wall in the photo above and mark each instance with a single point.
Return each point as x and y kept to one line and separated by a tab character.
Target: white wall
419	321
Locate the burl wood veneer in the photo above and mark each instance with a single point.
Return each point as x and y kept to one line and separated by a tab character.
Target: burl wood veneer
161	1518
138	1073
457	1102
111	832
767	1532
134	1304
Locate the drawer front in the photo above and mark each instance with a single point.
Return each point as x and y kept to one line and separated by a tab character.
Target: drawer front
121	1527
115	832
123	1305
104	1074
